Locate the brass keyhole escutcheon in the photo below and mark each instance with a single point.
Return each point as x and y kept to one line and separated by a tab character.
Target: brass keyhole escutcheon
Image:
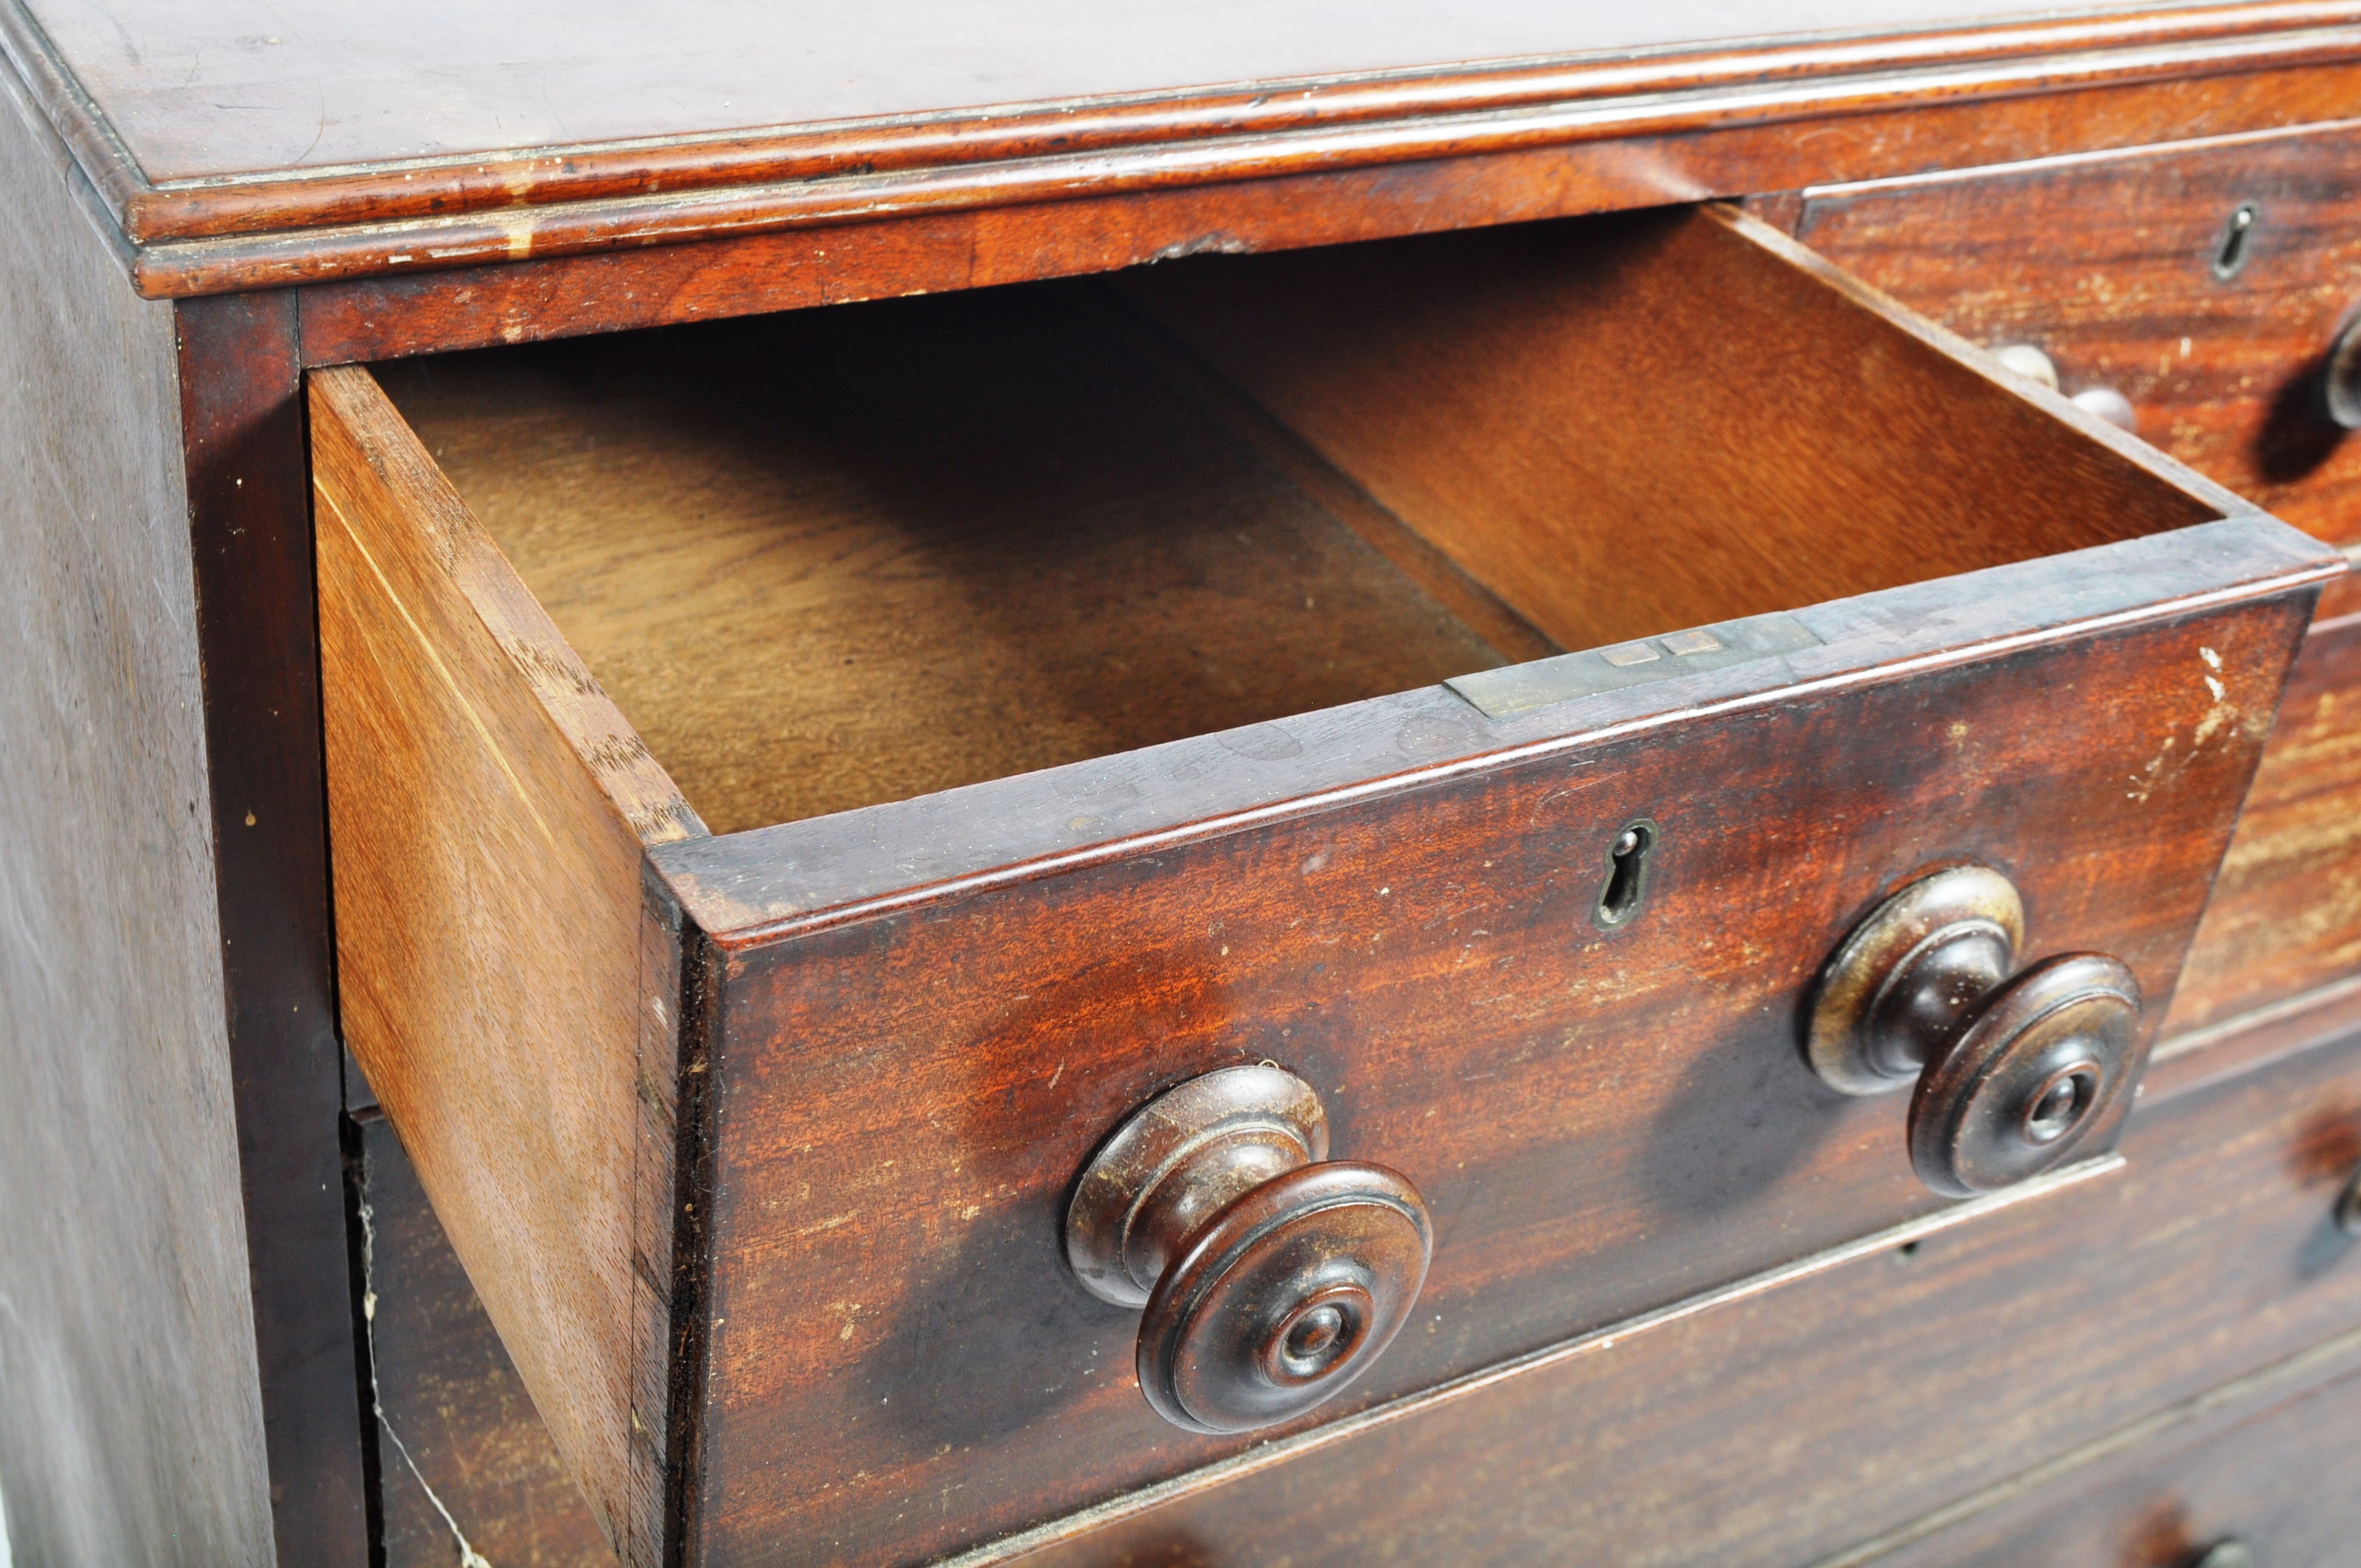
1269	1276
2012	1067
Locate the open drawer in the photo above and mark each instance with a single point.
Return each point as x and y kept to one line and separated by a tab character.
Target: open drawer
1063	672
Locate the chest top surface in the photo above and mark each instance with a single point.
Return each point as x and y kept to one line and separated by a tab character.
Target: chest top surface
248	86
248	144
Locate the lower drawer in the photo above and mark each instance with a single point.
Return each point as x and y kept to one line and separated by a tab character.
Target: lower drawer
2264	1486
1793	1424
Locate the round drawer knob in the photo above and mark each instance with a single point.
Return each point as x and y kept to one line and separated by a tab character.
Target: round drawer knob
1270	1276
2347	1212
2340	378
2013	1066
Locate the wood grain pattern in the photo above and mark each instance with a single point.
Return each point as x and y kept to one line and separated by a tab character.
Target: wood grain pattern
2286	915
505	984
273	223
2273	1480
964	538
605	271
1808	1418
885	1267
2107	263
1582	416
132	1425
458	1433
917	81
250	537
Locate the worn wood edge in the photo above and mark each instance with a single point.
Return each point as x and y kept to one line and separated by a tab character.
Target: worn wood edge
602	1352
249	520
1491	616
261	201
282	257
2215	1410
704	873
2253	1040
1016	1546
687	1350
31	97
1846	189
73	116
1899	317
568	696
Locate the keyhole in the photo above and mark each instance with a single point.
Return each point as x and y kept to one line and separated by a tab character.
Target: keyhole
2231	254
1627	875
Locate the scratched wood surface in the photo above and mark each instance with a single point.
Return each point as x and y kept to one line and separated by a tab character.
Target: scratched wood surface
2110	266
844	557
504	985
2163	837
895	1280
462	1453
1791	1426
337	85
2286	914
1584	124
131	1425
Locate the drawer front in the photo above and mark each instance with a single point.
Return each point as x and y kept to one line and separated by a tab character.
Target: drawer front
2123	268
2112	266
1600	1122
1809	1419
757	1146
2285	918
2274	1484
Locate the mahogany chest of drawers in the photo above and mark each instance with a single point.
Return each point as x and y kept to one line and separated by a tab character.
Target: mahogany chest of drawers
1222	787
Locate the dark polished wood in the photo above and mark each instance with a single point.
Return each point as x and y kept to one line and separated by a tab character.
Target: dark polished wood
2286	913
683	1099
664	276
1269	1276
2113	265
2212	1256
1445	944
2013	1066
2259	1466
242	423
859	970
465	1455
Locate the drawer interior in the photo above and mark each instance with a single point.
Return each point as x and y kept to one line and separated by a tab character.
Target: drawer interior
850	555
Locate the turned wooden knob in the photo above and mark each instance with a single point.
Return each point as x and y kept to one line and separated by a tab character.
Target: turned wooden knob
2340	378
2013	1066
1270	1276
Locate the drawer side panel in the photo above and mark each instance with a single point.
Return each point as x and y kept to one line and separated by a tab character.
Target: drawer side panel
503	974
